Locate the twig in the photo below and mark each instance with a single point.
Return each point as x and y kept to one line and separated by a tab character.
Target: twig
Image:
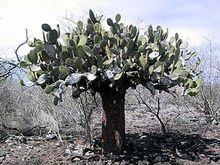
8	73
16	50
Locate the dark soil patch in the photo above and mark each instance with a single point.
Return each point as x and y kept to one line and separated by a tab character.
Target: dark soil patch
155	147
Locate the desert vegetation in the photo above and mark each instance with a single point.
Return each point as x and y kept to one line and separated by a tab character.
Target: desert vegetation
115	95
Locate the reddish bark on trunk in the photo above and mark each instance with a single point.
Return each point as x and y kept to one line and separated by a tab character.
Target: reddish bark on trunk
113	121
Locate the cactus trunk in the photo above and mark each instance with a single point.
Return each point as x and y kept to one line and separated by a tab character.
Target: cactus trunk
113	121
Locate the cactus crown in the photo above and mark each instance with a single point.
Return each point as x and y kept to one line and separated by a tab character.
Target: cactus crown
92	56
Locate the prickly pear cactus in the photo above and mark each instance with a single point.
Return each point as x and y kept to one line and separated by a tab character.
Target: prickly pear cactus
92	56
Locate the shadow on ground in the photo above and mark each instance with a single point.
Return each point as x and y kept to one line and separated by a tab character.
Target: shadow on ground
155	147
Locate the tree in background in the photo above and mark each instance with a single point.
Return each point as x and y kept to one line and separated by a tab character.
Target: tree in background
10	67
108	62
6	69
209	93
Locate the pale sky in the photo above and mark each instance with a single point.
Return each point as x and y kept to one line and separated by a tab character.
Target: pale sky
193	20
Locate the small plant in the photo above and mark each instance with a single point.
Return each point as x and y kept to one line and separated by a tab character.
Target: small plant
108	62
86	105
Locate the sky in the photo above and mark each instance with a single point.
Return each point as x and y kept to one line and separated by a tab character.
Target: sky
193	20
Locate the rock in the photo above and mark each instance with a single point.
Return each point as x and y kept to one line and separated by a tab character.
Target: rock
178	153
145	162
38	138
94	157
29	147
9	142
2	156
215	122
79	149
89	153
50	136
109	162
183	142
58	144
1	159
76	159
2	153
67	151
72	146
36	143
117	163
18	147
22	139
123	162
143	137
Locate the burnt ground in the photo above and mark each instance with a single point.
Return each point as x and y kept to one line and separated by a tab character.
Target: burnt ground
190	140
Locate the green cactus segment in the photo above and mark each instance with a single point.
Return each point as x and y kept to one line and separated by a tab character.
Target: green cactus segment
41	79
90	77
50	50
80	25
55	100
83	40
80	53
69	62
31	76
46	27
89	28
118	76
92	56
22	82
117	17
87	50
49	89
103	43
94	69
24	64
64	72
32	57
74	78
110	22
193	91
52	36
92	16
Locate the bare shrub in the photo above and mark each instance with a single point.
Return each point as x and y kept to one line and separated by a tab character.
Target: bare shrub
208	100
148	103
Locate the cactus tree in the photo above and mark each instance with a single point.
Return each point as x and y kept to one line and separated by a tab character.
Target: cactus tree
109	62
